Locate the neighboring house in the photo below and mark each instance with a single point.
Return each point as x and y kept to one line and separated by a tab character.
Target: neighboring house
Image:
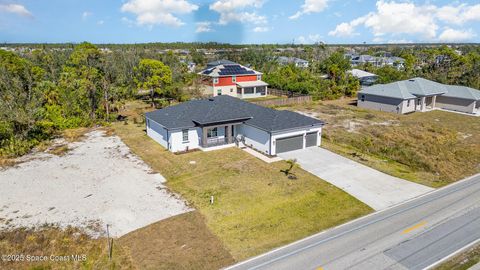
226	120
300	63
191	67
419	94
357	60
229	78
366	78
396	62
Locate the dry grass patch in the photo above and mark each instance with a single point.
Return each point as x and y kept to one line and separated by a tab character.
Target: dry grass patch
256	206
463	261
434	148
50	240
180	242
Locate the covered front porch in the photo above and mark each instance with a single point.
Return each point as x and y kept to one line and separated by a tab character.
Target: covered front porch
252	89
217	135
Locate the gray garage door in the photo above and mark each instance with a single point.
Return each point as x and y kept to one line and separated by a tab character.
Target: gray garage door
311	139
289	144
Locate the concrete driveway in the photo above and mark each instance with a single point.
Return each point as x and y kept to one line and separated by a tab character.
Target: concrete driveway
374	188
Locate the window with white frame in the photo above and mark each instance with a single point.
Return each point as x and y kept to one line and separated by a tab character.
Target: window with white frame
212	133
234	78
259	77
215	80
363	98
185	135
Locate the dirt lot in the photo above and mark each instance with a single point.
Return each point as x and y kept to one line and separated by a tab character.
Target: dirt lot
96	181
433	148
180	242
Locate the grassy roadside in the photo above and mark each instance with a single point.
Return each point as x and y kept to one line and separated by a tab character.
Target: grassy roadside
50	240
256	207
462	261
434	148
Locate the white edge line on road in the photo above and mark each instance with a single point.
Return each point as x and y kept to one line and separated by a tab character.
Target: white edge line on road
452	254
351	221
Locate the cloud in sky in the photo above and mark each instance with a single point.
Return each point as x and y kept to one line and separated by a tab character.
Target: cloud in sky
452	35
203	27
261	29
310	6
396	18
15	9
310	39
243	11
86	14
152	12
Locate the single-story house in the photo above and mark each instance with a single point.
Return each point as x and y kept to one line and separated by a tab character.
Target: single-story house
366	78
226	120
419	94
300	63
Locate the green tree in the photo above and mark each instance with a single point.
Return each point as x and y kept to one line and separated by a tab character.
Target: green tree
153	75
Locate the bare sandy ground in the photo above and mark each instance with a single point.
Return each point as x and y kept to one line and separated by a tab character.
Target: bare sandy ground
98	182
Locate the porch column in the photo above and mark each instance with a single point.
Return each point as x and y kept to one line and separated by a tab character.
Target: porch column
243	92
434	101
255	90
229	134
204	136
422	107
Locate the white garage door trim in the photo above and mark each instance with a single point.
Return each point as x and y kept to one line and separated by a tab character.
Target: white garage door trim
287	144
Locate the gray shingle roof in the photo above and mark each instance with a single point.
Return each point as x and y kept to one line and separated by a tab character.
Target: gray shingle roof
226	108
407	89
462	92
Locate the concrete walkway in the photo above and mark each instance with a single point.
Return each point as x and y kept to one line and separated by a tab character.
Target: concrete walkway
374	188
261	156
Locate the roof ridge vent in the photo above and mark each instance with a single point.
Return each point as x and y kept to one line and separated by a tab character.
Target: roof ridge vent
411	80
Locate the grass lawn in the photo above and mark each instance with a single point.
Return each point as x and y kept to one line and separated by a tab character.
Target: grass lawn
256	207
434	148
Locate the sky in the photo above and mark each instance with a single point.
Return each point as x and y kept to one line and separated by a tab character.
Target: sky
239	21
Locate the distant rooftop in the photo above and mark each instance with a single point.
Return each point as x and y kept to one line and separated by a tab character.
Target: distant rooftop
420	87
222	62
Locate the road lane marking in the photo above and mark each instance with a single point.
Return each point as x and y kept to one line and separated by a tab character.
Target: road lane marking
414	227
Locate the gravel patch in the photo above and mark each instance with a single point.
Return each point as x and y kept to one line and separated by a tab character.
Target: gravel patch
97	182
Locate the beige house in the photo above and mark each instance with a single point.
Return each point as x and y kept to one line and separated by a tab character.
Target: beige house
419	94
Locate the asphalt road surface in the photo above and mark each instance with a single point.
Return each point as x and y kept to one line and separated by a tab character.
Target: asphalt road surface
413	235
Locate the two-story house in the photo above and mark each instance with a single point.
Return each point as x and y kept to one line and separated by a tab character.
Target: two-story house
225	77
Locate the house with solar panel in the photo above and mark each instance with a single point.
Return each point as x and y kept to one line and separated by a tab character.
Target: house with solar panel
225	77
421	95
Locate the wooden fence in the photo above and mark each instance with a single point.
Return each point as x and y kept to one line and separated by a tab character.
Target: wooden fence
282	93
284	101
285	98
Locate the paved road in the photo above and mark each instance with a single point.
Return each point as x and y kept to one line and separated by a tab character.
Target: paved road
376	189
413	235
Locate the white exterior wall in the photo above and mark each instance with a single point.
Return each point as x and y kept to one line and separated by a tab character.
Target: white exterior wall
157	133
384	104
407	108
303	132
254	137
455	104
176	140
